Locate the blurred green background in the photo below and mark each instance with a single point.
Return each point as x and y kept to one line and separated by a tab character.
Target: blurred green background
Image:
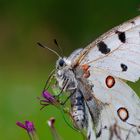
24	67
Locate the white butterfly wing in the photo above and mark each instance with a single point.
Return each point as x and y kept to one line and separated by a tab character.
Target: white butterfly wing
116	54
120	116
91	135
117	51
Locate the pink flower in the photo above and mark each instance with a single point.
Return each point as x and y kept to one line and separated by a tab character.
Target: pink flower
28	126
48	99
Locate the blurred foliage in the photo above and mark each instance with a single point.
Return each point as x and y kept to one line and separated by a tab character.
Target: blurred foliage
24	66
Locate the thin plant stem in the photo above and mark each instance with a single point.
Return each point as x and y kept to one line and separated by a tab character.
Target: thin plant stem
33	136
30	137
55	134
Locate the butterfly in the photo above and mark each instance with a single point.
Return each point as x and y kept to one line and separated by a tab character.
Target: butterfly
102	103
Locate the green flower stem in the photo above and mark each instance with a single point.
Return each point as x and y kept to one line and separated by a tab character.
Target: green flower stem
55	134
33	136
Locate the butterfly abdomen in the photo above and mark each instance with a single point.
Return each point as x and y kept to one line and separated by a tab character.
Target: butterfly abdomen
78	110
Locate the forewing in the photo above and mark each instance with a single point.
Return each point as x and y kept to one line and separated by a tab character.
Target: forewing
117	51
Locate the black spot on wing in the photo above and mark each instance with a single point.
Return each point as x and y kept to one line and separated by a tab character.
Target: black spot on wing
89	135
124	67
121	36
99	133
133	22
138	129
103	47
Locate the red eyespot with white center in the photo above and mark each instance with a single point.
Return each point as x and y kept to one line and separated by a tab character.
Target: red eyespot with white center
123	113
110	81
85	68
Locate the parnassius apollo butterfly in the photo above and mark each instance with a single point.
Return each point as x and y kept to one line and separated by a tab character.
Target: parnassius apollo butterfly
102	103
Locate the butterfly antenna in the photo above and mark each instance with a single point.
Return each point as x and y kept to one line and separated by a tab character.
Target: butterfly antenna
48	49
61	50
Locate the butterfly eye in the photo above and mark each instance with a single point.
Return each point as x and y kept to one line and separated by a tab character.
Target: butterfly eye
61	62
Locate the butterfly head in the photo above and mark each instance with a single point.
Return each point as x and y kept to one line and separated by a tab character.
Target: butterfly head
64	73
